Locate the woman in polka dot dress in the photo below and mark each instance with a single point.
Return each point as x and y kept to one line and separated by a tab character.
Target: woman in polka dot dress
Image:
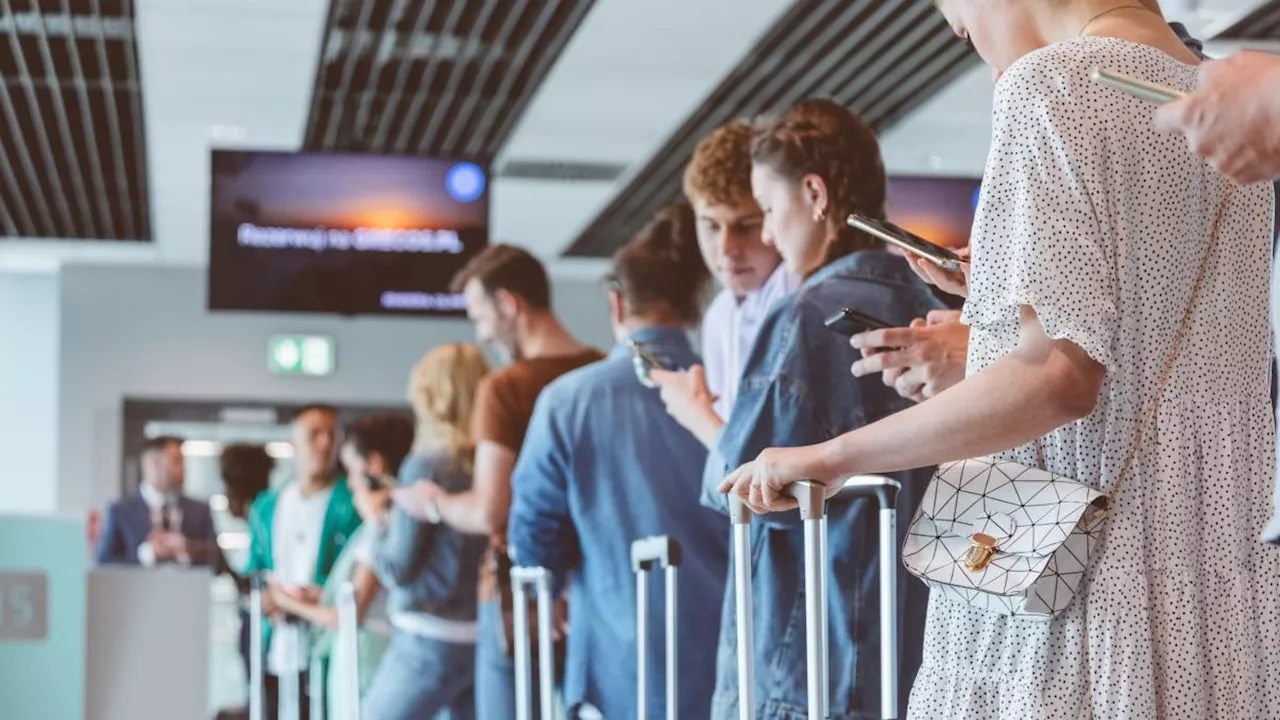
1086	246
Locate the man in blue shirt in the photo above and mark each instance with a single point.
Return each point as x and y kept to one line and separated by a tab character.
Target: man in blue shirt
603	465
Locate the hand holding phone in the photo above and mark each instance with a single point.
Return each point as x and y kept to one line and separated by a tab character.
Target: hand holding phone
1141	89
644	362
849	322
903	239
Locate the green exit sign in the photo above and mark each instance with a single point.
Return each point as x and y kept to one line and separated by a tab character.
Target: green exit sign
301	355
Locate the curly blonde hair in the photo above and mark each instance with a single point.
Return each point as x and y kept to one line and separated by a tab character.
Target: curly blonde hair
442	390
719	173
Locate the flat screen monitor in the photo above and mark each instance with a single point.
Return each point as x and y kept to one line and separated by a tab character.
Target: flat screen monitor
939	209
342	233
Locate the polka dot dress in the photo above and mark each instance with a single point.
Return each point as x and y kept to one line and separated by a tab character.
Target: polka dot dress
1099	223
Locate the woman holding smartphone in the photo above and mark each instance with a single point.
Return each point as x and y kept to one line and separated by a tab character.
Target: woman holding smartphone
431	569
811	168
1088	245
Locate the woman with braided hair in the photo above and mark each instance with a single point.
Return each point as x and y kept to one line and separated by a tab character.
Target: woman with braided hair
812	167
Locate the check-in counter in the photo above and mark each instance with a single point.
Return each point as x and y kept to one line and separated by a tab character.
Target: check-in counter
148	644
88	643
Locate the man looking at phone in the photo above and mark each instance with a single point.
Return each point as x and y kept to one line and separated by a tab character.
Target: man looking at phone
717	183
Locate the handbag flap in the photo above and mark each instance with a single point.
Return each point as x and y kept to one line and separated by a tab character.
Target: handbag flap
1031	512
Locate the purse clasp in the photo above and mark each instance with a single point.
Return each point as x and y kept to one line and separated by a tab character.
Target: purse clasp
980	554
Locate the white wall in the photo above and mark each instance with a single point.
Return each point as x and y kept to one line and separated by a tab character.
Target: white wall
144	332
29	391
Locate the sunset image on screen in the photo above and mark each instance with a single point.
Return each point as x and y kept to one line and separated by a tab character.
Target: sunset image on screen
937	209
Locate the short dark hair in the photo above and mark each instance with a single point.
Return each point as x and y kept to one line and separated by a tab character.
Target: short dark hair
391	436
158	443
246	471
662	267
314	407
510	268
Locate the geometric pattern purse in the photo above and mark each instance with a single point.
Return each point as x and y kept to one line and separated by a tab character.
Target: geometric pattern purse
1017	540
1004	537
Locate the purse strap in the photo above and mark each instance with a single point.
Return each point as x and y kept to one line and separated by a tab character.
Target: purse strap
1152	405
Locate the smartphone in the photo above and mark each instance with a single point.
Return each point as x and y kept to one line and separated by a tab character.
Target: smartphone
643	361
849	322
1140	89
905	240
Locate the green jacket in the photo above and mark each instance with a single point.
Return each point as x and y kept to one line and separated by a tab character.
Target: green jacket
340	523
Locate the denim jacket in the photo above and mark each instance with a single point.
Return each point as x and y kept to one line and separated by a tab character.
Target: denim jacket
797	389
604	465
430	568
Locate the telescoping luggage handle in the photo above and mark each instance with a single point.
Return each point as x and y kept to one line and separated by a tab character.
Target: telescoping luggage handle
521	579
663	552
347	655
256	708
812	505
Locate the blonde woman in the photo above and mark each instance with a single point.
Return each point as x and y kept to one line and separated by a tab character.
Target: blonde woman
431	569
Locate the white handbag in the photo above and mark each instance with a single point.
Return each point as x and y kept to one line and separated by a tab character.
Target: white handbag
1017	540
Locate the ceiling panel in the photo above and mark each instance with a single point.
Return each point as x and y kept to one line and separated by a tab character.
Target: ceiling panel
879	59
419	76
1261	24
72	149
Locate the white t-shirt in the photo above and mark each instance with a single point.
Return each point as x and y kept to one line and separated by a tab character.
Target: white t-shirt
295	549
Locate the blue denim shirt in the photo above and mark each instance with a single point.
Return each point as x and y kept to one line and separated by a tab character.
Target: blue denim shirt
604	465
430	568
797	389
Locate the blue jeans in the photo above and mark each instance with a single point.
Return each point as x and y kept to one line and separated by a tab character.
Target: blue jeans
495	671
420	678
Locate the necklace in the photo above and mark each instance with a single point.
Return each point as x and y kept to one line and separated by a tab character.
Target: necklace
1105	13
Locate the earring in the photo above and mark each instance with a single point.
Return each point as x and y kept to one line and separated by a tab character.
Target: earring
819	215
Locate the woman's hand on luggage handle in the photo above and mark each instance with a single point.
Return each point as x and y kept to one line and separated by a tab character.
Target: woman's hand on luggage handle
762	483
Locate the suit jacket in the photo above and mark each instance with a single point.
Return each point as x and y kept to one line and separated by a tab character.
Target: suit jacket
128	523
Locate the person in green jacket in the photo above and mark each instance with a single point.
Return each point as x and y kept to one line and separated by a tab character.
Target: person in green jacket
372	452
295	536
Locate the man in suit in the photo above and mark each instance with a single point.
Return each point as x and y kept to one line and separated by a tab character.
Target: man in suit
157	524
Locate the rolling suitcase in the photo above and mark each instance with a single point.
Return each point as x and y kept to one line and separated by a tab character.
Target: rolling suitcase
540	579
812	501
660	552
651	553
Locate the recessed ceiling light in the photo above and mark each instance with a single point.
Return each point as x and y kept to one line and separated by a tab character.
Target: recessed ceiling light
227	133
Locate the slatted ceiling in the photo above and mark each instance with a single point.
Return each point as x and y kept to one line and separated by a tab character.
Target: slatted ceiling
72	154
880	59
433	77
1261	24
